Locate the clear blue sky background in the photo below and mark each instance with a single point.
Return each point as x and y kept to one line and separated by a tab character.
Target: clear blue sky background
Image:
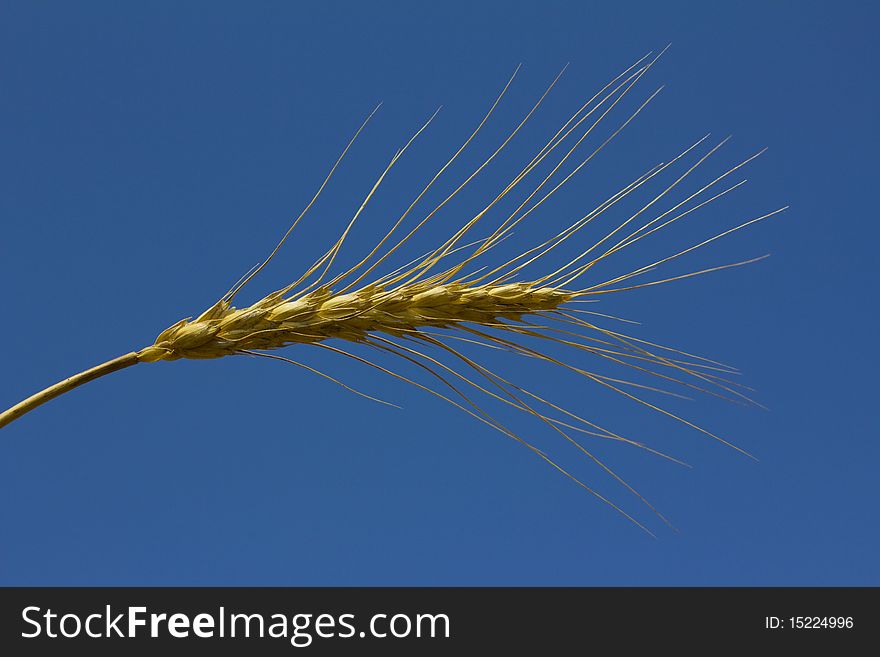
149	155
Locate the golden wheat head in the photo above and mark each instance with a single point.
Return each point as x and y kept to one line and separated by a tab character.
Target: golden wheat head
454	294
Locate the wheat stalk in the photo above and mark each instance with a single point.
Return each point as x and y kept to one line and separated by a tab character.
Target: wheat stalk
442	297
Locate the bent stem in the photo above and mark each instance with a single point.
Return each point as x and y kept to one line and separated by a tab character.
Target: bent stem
66	385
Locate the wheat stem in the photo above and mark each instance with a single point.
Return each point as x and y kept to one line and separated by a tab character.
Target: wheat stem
66	385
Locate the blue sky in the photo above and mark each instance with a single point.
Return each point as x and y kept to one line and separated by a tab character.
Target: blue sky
149	155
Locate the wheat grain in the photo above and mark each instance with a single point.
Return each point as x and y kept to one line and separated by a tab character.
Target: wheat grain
443	296
277	321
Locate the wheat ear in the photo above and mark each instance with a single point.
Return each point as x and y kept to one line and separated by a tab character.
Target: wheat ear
416	312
